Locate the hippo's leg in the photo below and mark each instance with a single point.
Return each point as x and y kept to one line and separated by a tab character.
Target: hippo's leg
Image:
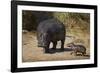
62	45
83	53
47	48
71	52
54	45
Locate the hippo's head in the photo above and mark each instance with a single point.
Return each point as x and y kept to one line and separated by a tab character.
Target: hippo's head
42	39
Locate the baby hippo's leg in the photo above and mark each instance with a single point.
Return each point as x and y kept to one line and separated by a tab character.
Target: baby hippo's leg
71	52
83	53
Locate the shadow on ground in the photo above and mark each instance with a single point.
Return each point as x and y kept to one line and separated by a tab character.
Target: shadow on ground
83	55
51	51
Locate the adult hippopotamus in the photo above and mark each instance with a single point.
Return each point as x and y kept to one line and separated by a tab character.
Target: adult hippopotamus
51	30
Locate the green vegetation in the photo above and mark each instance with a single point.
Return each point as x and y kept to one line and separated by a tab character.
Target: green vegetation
74	21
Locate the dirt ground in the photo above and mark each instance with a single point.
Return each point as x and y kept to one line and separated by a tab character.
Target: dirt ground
32	53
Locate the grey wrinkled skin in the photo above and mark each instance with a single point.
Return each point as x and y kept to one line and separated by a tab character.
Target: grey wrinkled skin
48	31
77	49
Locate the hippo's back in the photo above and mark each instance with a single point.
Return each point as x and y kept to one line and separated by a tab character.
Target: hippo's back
81	48
53	27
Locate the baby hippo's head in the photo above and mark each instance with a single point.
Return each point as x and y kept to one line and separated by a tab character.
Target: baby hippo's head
70	45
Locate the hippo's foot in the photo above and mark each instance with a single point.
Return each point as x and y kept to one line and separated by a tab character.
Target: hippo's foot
53	49
83	54
47	51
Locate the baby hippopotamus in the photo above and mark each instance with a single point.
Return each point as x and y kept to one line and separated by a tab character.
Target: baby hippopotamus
77	49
